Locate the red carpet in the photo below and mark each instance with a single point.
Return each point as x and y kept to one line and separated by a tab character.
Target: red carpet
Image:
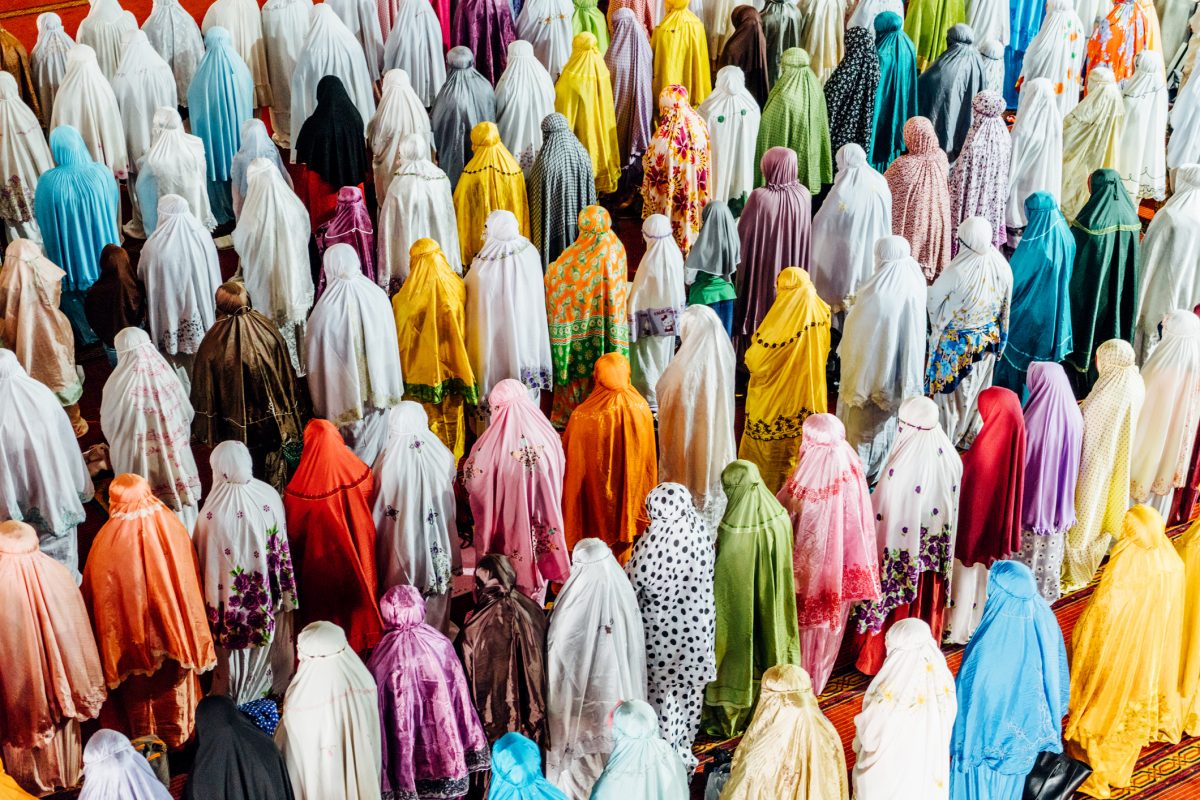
19	17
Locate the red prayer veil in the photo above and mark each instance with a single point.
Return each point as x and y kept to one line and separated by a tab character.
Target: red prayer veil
989	512
332	536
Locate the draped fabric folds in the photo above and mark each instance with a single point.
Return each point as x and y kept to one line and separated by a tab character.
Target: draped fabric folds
947	87
524	96
492	180
1171	243
927	22
1035	164
1091	139
486	27
795	117
560	186
86	101
979	179
681	52
656	301
746	49
921	197
733	117
631	68
611	463
234	759
584	95
676	166
641	763
1057	53
896	96
464	100
24	156
850	91
517	768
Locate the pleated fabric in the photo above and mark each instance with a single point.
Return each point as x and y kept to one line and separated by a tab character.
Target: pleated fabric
584	95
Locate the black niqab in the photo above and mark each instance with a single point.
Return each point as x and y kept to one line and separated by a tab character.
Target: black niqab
332	142
235	760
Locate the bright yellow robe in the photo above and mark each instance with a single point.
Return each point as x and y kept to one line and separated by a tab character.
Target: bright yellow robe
681	53
584	96
1125	656
786	360
492	180
1188	547
430	312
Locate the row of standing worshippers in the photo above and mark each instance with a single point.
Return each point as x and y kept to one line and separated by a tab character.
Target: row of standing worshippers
677	639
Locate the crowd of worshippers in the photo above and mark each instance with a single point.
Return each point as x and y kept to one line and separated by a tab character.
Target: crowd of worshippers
969	377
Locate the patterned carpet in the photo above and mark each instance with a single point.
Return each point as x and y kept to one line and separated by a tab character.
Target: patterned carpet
1164	772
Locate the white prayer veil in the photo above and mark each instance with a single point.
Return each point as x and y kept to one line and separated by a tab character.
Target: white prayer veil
243	20
1142	157
1184	145
548	26
350	344
104	30
400	113
24	156
524	96
415	46
733	117
329	49
113	770
656	299
86	102
1169	254
256	144
1057	53
1036	162
143	84
361	18
285	25
48	59
173	32
174	164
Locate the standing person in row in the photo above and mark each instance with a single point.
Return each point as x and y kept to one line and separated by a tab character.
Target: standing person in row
656	301
584	96
631	67
795	117
921	197
676	167
560	186
733	118
896	95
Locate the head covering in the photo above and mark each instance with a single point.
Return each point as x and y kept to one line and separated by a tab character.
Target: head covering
695	409
48	61
179	269
896	95
903	732
795	117
256	144
271	240
921	197
1123	32
507	334
786	361
588	18
855	215
514	479
883	337
922	458
142	588
176	164
465	100
641	763
112	768
1106	231
285	26
746	49
824	21
989	517
584	95
1167	426
979	180
486	28
103	30
419	204
1110	418
331	141
243	20
681	52
24	156
790	751
783	26
362	19
1036	158
1126	654
850	90
429	312
116	300
351	224
517	767
147	419
401	113
31	324
992	50
331	51
677	155
59	680
671	570
415	46
330	733
173	32
244	387
1091	138
85	101
929	24
596	658
1012	687
968	309
732	117
434	737
631	68
560	186
235	759
656	299
1143	151
587	299
1171	243
220	99
755	597
1041	270
352	364
144	83
76	205
948	85
332	535
491	180
714	257
524	96
547	26
248	579
1184	146
611	460
1057	54
1054	430
503	650
774	230
43	479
